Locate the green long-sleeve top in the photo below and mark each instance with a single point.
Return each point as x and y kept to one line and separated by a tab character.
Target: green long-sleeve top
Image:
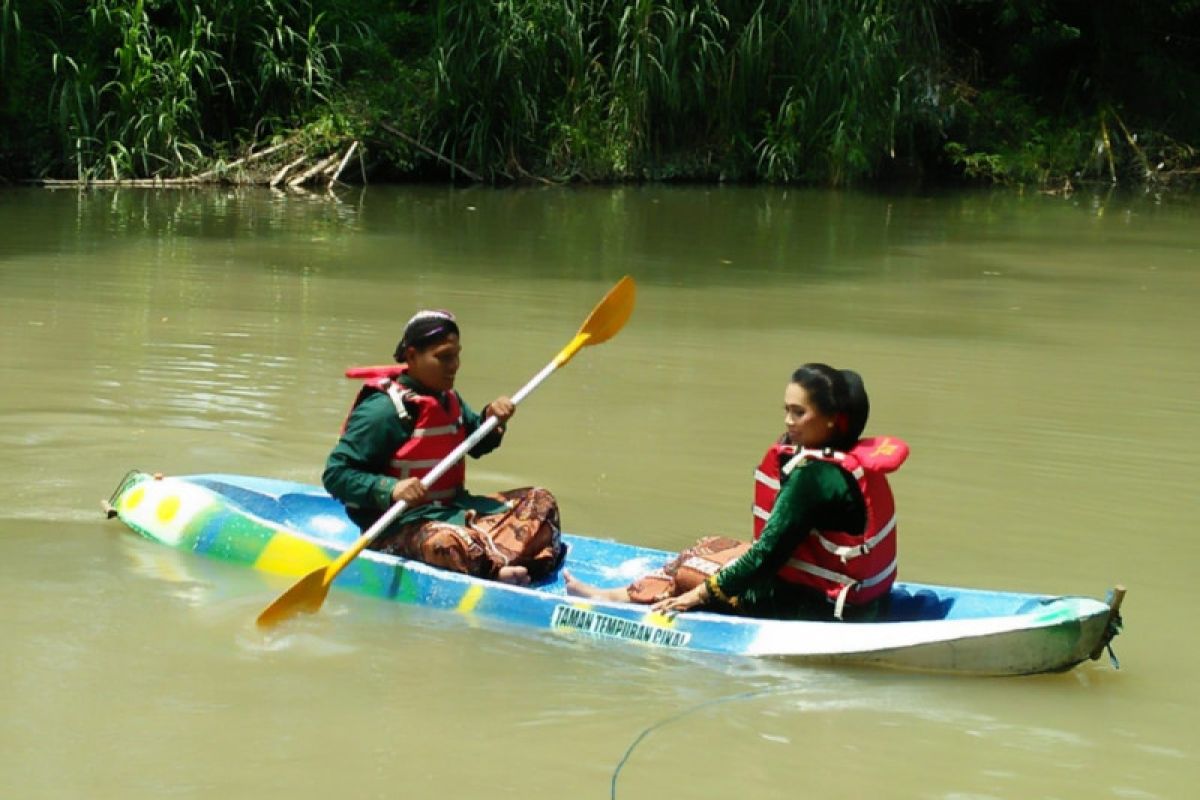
356	467
815	495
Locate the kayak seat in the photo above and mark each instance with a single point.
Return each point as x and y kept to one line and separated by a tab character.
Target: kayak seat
906	606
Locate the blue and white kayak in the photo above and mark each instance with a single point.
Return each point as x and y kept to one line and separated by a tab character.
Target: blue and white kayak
288	528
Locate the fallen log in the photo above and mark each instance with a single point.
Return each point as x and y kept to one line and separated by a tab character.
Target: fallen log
317	168
216	171
278	177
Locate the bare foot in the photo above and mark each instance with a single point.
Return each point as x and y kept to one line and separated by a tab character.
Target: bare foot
581	589
517	576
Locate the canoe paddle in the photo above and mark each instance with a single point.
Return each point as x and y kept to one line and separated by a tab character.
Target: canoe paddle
307	594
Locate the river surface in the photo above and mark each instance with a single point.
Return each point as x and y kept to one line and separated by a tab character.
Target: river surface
1040	355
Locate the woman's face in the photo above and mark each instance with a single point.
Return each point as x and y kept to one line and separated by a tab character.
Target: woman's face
806	425
435	366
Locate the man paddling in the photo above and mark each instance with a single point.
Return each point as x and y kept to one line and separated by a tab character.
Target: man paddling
405	419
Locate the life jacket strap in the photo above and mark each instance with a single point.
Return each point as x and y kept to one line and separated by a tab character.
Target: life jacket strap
766	480
406	466
398	396
846	583
442	430
804	454
846	552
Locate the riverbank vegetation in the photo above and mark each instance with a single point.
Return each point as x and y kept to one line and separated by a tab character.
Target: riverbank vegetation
831	92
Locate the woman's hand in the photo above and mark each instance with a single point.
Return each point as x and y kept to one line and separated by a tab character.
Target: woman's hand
685	601
502	409
411	491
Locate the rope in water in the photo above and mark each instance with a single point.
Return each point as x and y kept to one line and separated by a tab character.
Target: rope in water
716	701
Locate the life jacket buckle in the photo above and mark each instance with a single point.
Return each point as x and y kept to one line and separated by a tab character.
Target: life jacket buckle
398	396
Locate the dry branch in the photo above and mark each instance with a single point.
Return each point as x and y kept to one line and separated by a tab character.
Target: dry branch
277	178
321	165
342	165
275	148
433	153
1147	173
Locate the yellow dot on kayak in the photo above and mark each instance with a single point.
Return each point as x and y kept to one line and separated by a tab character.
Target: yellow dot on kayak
470	599
659	620
133	499
167	509
287	555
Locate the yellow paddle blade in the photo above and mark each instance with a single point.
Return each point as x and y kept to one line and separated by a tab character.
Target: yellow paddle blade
305	596
605	321
611	314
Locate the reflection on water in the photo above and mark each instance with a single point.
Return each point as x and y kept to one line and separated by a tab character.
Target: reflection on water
1037	353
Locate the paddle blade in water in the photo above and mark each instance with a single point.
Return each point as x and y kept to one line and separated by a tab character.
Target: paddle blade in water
305	597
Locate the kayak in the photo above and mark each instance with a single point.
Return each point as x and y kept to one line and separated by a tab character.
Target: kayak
288	528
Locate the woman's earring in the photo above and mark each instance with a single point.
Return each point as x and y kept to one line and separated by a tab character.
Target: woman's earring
828	424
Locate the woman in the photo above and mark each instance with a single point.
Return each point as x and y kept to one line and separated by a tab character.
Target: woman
404	421
825	534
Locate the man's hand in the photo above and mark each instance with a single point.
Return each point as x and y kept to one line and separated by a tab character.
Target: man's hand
411	491
502	409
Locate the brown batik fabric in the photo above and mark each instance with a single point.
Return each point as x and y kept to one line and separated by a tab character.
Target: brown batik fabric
526	534
687	570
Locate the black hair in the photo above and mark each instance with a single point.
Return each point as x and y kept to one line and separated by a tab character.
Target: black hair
839	394
425	329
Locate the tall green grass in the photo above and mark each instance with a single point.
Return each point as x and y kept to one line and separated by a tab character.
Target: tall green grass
10	29
146	89
814	91
808	89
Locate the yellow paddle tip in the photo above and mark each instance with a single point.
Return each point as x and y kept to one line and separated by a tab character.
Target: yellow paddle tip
611	314
305	597
605	321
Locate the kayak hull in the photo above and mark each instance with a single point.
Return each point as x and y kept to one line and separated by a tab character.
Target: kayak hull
290	529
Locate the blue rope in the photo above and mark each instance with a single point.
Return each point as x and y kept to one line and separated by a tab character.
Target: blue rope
680	715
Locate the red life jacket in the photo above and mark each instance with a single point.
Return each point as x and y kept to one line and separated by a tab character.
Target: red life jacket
766	481
848	567
436	429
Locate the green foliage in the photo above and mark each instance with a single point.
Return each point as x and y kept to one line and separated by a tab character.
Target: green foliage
1005	140
10	31
139	88
23	133
1048	88
838	117
812	90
